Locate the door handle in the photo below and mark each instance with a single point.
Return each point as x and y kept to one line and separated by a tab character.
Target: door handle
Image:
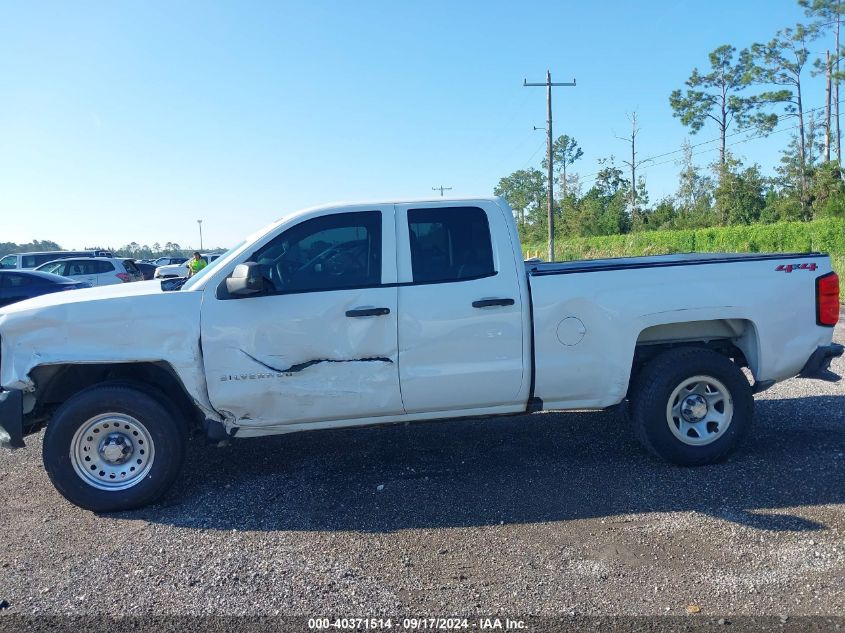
486	303
365	312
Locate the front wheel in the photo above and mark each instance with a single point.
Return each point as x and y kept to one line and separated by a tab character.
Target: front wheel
691	406
113	447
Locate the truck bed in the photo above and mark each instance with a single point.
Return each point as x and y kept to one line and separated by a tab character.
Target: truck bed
763	303
537	269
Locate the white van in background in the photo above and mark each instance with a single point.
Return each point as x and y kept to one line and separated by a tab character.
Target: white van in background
36	258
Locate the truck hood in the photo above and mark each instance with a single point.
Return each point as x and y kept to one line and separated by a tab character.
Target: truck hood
99	293
133	322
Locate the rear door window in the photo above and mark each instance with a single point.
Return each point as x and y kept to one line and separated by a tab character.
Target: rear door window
79	267
450	244
100	267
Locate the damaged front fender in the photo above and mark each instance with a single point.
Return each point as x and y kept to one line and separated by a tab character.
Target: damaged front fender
130	323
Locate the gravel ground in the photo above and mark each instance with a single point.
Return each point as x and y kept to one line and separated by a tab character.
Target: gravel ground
542	514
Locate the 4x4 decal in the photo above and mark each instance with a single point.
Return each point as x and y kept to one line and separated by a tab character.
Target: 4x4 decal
790	267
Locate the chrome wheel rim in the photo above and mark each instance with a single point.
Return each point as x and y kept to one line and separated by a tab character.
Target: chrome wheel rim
699	410
112	451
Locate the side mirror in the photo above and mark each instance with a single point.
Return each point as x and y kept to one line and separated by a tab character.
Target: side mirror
245	280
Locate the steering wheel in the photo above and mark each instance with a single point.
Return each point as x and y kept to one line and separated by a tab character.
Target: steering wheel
277	272
281	273
345	260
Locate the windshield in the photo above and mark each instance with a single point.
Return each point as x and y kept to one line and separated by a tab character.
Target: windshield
214	263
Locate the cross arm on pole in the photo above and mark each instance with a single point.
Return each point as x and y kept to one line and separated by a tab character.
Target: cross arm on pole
544	84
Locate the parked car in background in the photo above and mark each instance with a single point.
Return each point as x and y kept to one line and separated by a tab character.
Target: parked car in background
181	270
25	284
167	261
97	271
147	269
36	259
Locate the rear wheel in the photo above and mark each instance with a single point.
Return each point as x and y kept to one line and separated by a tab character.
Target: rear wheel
691	406
114	447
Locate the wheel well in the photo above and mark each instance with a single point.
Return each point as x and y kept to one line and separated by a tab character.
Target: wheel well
57	383
734	338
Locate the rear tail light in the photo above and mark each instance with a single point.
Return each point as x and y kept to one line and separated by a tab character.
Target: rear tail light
827	299
124	277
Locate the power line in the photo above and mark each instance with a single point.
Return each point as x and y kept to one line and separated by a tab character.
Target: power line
539	147
713	149
441	189
745	140
727	136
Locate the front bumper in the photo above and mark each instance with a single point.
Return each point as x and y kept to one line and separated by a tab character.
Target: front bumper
11	419
819	363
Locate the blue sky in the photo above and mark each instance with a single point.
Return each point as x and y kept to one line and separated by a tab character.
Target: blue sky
124	121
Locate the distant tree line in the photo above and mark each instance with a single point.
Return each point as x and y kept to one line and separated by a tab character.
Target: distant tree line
143	251
741	96
35	245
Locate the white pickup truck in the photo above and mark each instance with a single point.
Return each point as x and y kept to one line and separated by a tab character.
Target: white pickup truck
375	313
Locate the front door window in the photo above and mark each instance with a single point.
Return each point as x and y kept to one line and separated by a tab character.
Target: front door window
328	253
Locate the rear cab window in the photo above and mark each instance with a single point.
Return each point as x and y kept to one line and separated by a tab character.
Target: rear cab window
450	244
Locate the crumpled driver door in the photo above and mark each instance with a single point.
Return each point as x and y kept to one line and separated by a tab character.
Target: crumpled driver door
323	345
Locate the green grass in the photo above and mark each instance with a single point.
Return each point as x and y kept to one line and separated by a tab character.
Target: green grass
820	235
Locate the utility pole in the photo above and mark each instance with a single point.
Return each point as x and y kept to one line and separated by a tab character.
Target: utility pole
441	189
199	223
836	57
633	163
549	157
827	109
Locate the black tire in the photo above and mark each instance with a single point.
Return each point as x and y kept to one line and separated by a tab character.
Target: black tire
158	419
655	385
